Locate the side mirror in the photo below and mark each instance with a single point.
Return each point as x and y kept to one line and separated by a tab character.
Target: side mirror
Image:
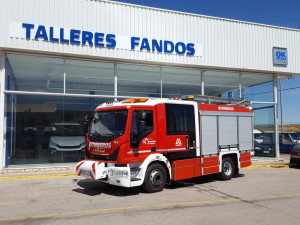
141	127
87	121
142	115
87	118
141	122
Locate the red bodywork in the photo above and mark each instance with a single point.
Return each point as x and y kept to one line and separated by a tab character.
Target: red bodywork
157	141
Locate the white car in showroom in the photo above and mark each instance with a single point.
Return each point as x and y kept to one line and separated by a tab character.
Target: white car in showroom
66	139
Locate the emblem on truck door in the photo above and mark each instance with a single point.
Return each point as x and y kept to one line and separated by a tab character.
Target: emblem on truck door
149	141
178	142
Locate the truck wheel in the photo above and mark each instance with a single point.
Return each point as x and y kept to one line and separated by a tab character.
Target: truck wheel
155	178
227	169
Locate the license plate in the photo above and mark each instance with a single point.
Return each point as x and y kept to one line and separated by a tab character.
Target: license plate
118	173
296	156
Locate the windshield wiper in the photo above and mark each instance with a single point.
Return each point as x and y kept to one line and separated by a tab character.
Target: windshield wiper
95	134
106	134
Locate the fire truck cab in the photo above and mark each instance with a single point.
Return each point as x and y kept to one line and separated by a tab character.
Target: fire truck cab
150	142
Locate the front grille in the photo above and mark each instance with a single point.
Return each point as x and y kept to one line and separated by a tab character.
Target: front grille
112	157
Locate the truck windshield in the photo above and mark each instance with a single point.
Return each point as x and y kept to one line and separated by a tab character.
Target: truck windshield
108	125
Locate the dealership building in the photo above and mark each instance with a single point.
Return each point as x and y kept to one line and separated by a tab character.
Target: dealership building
60	59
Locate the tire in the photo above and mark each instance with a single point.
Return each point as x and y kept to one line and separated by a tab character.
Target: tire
228	169
155	178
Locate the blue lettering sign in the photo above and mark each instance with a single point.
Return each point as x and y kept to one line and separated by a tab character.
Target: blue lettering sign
52	38
99	38
280	55
145	45
111	42
134	42
190	47
180	48
62	38
87	37
28	27
168	46
41	33
156	46
75	36
81	37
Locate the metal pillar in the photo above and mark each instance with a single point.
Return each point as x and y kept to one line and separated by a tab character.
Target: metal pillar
275	84
2	116
202	82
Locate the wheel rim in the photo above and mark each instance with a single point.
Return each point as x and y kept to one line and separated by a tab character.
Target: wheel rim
156	178
227	168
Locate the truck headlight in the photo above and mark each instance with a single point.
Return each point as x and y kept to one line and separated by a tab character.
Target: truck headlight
134	172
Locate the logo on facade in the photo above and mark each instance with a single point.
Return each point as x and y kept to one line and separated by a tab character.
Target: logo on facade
280	56
178	142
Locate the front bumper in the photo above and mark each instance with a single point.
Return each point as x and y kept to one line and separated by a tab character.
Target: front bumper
109	173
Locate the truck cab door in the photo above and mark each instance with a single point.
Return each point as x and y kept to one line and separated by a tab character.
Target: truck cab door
143	135
181	131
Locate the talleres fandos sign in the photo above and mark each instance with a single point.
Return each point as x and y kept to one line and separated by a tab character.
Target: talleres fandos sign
96	39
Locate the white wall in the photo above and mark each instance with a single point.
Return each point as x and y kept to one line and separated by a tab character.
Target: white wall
226	43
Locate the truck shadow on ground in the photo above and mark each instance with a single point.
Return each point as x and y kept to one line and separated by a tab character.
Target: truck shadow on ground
208	179
93	188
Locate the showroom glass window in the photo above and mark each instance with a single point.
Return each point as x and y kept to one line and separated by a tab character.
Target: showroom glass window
34	74
46	129
86	77
260	88
138	81
222	84
178	82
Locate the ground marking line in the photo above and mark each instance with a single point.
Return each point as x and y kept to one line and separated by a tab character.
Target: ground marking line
267	166
38	176
148	206
10	203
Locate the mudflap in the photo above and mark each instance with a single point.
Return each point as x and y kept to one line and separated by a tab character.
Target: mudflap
94	170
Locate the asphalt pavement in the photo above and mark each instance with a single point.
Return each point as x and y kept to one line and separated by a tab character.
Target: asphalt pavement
257	196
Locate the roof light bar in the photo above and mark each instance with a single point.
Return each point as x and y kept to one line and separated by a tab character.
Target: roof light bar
135	100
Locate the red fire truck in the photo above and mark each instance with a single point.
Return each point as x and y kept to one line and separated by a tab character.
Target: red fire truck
151	142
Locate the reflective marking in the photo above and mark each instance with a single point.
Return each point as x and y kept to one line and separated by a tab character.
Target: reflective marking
148	206
158	150
136	151
11	203
41	176
172	149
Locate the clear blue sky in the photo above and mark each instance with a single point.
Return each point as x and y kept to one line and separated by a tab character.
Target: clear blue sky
273	12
